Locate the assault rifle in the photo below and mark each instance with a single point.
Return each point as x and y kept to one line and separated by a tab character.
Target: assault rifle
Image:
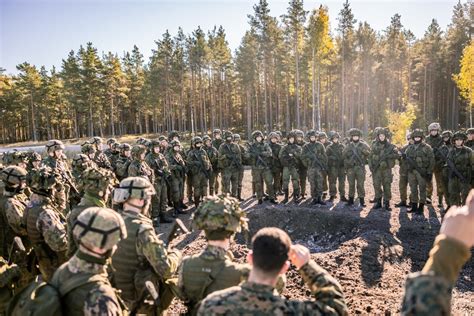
415	166
201	165
356	156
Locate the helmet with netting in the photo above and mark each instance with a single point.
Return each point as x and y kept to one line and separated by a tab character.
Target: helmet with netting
137	150
434	127
228	134
447	134
196	140
88	149
418	132
54	144
205	138
355	132
13	176
97	181
459	135
111	141
43	180
237	137
133	187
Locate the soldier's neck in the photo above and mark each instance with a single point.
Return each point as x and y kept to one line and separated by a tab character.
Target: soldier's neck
258	277
225	244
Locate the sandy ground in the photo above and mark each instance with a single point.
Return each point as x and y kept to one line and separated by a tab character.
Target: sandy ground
369	251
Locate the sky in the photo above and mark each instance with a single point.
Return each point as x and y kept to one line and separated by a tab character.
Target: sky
43	32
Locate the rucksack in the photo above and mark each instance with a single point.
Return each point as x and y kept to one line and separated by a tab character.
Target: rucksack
44	299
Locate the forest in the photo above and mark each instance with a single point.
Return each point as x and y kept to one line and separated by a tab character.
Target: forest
291	71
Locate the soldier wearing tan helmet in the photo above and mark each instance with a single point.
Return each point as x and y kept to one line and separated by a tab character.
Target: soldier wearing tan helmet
100	158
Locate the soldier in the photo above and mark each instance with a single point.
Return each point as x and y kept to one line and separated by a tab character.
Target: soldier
141	256
220	217
460	164
90	151
260	156
100	158
45	224
173	135
114	155
290	156
271	252
276	167
9	273
97	231
245	158
315	160
188	178
420	159
336	172
178	171
200	167
302	170
34	160
20	159
138	167
435	140
216	143
470	138
157	161
382	159
110	147
97	184
443	152
230	162
323	139
213	155
163	144
355	156
123	162
403	173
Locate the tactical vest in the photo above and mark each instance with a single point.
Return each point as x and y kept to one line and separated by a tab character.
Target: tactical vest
125	260
418	153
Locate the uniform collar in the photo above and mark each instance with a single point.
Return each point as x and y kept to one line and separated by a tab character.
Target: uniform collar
257	288
215	252
90	200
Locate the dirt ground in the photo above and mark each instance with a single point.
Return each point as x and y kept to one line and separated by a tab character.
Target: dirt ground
369	251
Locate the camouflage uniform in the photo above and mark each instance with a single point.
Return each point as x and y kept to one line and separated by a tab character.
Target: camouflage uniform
114	155
138	167
470	142
110	150
159	164
80	162
355	158
200	167
277	168
96	296
213	269
8	275
178	169
382	159
323	139
336	173
403	174
245	158
460	171
213	155
216	143
290	156
260	155
421	157
257	299
45	225
435	142
302	170
100	158
314	158
443	153
230	162
123	162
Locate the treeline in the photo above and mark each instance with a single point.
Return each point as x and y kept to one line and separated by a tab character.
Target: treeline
288	72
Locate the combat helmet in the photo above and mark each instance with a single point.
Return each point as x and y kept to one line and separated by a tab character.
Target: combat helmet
447	134
216	131
355	132
111	141
237	137
97	181
80	160
99	228
219	217
154	143
41	181
13	176
53	145
273	135
322	134
133	187
205	138
434	126
470	131
298	133
125	147
256	134
227	134
418	132
96	140
88	149
175	143
460	135
311	133
19	157
173	134
137	150
196	140
333	134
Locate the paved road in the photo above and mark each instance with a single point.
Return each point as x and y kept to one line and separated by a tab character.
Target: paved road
39	149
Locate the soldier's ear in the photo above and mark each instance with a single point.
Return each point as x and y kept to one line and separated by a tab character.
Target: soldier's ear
250	257
285	267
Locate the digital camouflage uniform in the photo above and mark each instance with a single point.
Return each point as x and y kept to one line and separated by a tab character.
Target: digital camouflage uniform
45	225
355	158
403	174
99	228
382	159
260	156
213	269
159	164
315	160
213	155
336	171
302	170
178	169
435	142
277	168
230	162
421	162
290	156
460	171
257	299
200	167
139	167
123	162
245	161
110	150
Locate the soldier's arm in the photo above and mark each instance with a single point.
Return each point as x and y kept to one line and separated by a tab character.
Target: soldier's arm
431	159
14	213
102	301
49	224
267	152
165	263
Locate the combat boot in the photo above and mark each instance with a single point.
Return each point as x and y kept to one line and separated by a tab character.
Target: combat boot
386	205
361	201
378	204
350	201
260	201
421	208
285	200
165	218
372	201
344	199
413	208
401	204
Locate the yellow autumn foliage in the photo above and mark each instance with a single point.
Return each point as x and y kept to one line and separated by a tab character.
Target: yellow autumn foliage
465	78
400	123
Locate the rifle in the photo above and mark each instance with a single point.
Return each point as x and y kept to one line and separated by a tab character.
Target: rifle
382	157
356	156
259	158
455	171
201	165
65	176
232	157
317	162
414	165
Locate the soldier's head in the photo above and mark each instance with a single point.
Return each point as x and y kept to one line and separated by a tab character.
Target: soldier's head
292	137
19	158
98	182
55	148
176	145
44	182
207	140
323	137
14	178
410	138
110	142
154	146
97	142
270	252
174	135
273	137
257	136
417	135
470	133
81	162
197	142
115	147
312	136
299	136
355	134
434	129
34	160
459	138
125	150
382	134
134	194
228	136
220	217
97	231
216	133
334	136
138	152
89	150
163	142
447	135
237	138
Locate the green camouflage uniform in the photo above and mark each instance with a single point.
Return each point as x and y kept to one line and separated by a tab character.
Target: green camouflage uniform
336	173
470	143
277	168
200	167
177	167
435	142
443	152
302	170
258	299
230	162
403	175
8	275
315	160
381	161
216	143
290	156
323	139
355	158
462	160
161	170
260	156
213	155
139	167
245	161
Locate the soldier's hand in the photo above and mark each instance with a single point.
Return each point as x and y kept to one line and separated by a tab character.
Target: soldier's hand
459	222
299	255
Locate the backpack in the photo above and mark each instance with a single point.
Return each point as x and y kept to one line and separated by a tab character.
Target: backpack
42	298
